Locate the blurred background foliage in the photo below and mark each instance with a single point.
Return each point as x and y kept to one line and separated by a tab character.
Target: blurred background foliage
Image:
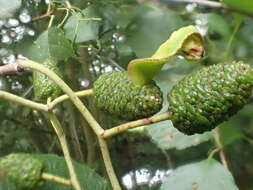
99	36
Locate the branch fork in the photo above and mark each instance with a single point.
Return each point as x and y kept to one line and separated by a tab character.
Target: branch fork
102	134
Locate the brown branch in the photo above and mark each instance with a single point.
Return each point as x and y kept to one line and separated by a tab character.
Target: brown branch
46	15
11	68
223	158
123	127
49	14
14	68
212	4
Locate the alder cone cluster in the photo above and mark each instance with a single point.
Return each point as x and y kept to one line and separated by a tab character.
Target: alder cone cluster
45	87
209	96
22	169
115	94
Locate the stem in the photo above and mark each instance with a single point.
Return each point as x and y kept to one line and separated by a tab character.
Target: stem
90	143
216	135
108	164
90	19
123	127
51	21
62	138
64	19
237	26
113	63
75	33
66	89
23	101
50	177
56	101
212	153
76	146
68	4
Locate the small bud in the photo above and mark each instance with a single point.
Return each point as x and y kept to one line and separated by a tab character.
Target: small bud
193	48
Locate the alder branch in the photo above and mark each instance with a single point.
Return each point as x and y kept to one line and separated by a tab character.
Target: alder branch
23	101
64	145
29	64
83	110
81	93
133	124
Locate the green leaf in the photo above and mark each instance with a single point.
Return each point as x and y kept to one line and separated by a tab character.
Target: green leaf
24	45
243	5
88	178
150	28
235	128
165	136
124	15
51	44
8	8
204	175
6	184
83	26
219	33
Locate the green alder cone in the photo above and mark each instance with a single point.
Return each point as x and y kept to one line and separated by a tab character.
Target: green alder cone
45	87
209	96
115	94
22	169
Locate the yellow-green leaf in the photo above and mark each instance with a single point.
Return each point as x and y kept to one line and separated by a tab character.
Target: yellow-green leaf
186	42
